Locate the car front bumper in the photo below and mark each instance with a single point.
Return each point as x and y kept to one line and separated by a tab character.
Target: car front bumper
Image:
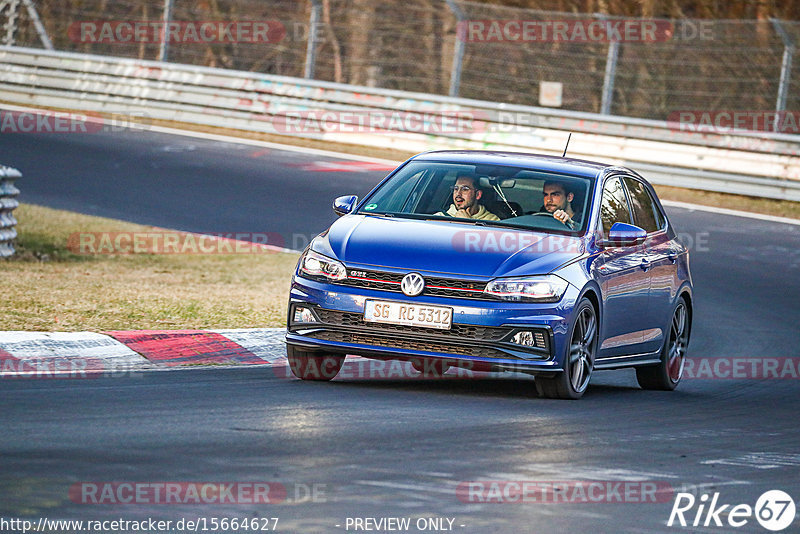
480	337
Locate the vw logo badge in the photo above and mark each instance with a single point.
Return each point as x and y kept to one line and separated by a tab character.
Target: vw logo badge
412	284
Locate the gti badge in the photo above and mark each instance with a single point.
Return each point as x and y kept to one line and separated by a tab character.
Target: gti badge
412	284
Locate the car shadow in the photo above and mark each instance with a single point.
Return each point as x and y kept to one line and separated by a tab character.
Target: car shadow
505	387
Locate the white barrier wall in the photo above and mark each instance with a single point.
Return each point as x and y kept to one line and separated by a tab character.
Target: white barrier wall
759	164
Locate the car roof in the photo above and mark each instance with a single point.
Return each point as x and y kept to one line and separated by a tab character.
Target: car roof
575	167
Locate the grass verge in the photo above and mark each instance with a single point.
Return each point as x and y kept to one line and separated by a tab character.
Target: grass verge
48	287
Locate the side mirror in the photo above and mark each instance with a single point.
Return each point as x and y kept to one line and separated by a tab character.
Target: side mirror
624	235
344	205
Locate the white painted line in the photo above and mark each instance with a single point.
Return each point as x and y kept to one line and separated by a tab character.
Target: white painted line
726	211
759	460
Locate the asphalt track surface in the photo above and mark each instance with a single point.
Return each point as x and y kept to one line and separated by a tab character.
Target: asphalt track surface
392	448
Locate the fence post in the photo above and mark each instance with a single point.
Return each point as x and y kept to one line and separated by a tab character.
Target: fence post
10	27
458	54
163	50
37	23
8	202
311	49
786	70
610	74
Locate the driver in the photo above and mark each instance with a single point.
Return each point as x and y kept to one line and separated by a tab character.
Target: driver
558	202
465	201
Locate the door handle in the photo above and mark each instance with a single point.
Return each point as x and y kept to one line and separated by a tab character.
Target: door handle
673	256
645	265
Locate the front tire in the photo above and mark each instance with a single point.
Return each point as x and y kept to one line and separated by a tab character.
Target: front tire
572	382
668	372
313	365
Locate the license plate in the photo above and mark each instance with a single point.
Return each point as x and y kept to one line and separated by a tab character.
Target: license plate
379	311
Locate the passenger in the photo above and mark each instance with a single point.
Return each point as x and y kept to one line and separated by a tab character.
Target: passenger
466	195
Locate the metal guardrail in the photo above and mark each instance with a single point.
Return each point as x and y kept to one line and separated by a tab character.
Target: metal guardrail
753	163
8	202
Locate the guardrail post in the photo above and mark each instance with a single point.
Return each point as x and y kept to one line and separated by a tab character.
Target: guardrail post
163	50
8	202
311	49
458	54
786	70
610	74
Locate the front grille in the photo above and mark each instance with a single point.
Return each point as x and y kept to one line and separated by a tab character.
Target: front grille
466	340
340	336
457	331
434	286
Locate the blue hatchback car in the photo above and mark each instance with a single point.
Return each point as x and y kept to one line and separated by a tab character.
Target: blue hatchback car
493	262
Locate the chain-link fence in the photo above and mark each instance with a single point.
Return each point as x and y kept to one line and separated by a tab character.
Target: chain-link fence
466	49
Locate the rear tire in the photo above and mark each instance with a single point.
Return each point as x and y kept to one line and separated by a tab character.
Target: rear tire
668	372
313	365
572	382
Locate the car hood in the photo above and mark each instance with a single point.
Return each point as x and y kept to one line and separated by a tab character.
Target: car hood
445	247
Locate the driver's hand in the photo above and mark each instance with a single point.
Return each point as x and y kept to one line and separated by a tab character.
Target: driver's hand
562	216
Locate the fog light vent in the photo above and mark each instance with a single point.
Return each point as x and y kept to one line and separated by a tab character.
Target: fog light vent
529	339
303	315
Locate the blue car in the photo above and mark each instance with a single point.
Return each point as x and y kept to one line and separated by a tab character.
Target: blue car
494	261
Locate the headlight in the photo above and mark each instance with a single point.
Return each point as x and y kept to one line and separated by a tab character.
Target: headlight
548	288
314	264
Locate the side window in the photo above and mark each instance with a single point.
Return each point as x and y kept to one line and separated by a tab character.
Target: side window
645	213
614	207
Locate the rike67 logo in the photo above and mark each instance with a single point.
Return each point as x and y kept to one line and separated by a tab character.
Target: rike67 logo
774	510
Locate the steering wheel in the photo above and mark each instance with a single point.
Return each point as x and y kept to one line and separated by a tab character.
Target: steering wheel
548	214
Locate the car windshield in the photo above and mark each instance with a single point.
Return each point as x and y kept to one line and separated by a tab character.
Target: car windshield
491	194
